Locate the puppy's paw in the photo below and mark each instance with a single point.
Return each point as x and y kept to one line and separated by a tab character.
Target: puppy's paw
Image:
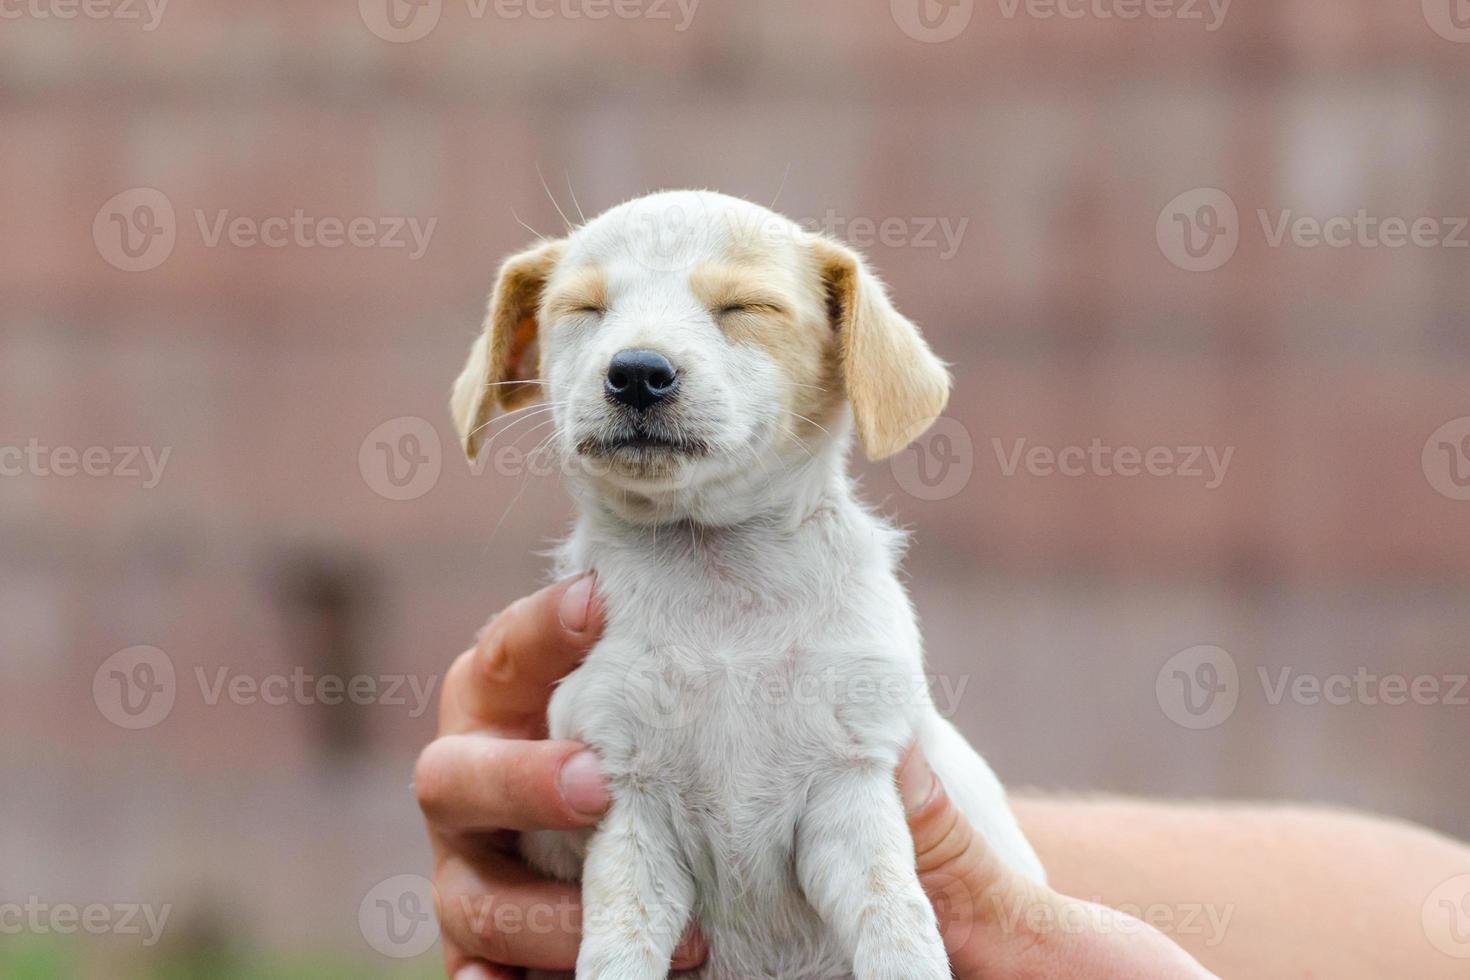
892	965
902	943
599	961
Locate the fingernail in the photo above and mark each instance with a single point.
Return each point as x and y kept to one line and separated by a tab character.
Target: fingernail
473	971
576	603
583	785
915	781
690	952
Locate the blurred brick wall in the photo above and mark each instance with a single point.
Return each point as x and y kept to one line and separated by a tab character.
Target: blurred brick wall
1326	548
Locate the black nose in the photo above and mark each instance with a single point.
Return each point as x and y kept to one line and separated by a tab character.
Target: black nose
640	378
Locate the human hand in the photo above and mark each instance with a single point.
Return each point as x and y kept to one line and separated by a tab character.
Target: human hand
491	773
998	925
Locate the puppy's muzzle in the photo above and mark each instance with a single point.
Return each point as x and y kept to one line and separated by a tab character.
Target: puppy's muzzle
640	379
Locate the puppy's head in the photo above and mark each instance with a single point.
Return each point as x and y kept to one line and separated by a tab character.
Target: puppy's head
691	343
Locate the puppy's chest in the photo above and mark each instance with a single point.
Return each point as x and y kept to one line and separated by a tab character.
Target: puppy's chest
738	681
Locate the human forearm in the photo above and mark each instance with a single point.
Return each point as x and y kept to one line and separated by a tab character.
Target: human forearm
1257	891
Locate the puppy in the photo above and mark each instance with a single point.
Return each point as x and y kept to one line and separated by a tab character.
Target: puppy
761	675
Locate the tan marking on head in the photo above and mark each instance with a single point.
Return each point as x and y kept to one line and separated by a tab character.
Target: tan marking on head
753	305
583	289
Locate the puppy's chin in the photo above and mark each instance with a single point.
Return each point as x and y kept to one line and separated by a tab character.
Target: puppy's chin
642	462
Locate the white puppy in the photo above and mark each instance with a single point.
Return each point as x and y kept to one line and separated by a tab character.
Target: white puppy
761	673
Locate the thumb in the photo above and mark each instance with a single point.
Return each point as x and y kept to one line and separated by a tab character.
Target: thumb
971	888
998	923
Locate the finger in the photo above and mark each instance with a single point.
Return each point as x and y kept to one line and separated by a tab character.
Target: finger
525	650
497	909
458	967
963	877
478	782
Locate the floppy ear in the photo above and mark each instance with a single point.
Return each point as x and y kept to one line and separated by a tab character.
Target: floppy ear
506	351
896	385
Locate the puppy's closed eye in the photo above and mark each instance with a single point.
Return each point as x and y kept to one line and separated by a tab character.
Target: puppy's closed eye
751	305
582	294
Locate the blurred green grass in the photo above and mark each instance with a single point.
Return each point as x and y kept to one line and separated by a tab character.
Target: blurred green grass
58	958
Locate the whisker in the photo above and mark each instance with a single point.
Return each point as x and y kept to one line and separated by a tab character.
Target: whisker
799	442
809	421
523	483
775	200
526	226
567	221
511	414
517	421
567	174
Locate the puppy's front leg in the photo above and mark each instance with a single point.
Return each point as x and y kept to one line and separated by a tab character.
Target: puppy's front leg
855	861
636	893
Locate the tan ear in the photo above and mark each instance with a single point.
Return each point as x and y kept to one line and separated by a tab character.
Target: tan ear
896	385
506	351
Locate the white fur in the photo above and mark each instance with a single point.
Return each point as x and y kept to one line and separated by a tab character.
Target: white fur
761	672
